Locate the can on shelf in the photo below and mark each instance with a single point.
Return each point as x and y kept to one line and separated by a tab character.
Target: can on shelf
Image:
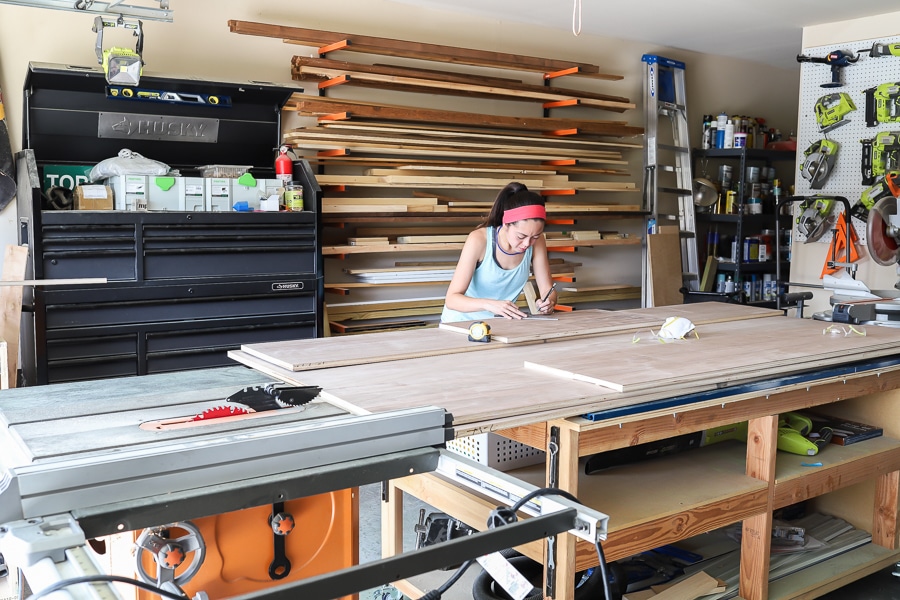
293	196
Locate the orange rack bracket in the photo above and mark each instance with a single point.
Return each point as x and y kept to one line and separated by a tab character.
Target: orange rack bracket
562	73
334	47
339	80
561	103
341	116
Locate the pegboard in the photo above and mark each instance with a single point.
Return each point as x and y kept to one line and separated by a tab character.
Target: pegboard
846	176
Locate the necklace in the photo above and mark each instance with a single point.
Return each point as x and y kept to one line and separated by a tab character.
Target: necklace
500	247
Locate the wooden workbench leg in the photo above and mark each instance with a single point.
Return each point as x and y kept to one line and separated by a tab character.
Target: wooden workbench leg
392	522
568	480
762	442
884	523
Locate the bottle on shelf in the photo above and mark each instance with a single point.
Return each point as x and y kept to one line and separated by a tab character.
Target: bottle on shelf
721	121
728	139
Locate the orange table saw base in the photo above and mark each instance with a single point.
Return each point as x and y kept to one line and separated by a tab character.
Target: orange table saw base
240	547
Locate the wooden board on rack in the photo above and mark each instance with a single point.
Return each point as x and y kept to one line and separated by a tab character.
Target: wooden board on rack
319	106
417	50
412	79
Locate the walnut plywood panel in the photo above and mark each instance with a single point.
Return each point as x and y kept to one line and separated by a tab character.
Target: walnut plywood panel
723	351
573	324
302	355
664	258
708	312
492	389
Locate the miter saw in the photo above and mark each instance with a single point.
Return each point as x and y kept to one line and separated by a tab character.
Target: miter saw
852	301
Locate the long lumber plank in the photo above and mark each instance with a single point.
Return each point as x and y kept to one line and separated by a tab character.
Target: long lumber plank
301	142
317	106
417	50
425	162
318	68
497	146
451	131
414	84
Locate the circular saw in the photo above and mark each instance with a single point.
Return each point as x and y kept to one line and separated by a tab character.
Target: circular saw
882	232
816	217
819	162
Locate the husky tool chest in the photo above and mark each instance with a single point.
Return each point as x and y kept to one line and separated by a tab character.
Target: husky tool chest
184	287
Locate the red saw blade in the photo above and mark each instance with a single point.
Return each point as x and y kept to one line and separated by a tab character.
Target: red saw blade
882	247
219	412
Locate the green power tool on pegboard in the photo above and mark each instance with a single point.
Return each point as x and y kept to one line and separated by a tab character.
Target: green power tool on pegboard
819	162
880	154
883	104
831	110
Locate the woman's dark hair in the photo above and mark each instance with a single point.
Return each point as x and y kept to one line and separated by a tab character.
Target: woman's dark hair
513	195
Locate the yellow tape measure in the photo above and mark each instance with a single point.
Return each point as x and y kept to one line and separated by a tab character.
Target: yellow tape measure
479	332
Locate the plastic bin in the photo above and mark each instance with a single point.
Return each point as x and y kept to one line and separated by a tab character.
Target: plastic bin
691	296
496	451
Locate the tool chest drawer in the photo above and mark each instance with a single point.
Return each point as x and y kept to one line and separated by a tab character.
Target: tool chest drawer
77	354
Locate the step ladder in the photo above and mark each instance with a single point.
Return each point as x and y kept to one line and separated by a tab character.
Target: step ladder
667	183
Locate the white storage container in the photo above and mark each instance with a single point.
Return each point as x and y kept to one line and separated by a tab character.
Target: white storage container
164	193
250	190
496	451
218	194
192	190
129	191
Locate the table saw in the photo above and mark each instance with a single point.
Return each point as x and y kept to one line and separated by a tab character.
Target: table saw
90	459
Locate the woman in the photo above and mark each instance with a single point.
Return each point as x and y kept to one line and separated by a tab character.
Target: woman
496	260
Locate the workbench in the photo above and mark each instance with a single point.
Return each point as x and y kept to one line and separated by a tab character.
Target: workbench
749	364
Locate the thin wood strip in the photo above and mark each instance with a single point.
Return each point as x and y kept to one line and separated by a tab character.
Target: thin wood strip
14	268
450	131
424	161
417	50
300	143
497	145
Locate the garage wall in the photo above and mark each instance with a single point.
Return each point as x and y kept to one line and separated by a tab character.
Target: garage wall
807	259
199	44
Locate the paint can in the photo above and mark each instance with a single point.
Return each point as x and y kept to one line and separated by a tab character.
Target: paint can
293	196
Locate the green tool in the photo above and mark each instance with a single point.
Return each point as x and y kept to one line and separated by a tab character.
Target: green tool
815	217
831	110
883	104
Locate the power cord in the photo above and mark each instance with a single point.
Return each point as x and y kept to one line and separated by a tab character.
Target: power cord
503	515
105	579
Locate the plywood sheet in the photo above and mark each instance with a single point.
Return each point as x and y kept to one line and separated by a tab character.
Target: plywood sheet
485	390
664	258
450	338
708	312
722	352
572	324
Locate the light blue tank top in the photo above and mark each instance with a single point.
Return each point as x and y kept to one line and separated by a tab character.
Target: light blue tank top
490	280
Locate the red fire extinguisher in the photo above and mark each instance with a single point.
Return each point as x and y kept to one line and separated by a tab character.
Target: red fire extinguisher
284	167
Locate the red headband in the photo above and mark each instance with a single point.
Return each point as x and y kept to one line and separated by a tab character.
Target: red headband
529	211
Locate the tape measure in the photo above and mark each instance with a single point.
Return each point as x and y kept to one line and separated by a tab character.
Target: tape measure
479	332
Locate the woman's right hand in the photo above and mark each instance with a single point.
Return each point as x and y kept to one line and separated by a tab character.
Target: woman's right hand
505	309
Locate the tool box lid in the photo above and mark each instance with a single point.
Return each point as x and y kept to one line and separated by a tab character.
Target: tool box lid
73	116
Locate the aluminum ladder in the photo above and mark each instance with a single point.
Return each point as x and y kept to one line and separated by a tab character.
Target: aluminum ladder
667	185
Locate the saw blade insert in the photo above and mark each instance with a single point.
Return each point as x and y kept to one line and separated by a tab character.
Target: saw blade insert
880	234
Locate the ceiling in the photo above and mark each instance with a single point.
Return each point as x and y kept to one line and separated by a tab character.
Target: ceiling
764	31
